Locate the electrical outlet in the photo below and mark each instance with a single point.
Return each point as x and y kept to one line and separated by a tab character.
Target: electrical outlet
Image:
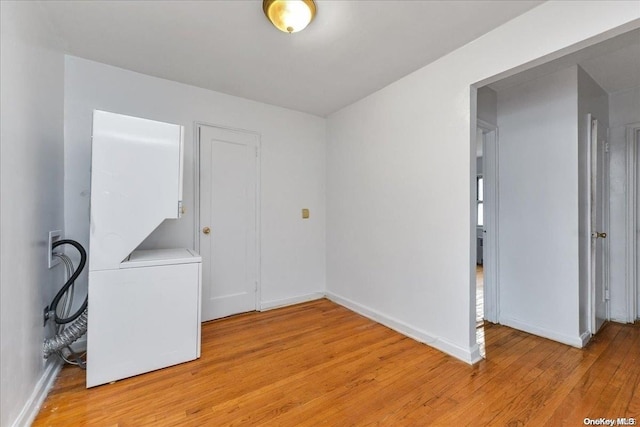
45	316
53	237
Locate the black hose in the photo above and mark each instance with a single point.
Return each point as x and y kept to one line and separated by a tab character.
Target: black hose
54	304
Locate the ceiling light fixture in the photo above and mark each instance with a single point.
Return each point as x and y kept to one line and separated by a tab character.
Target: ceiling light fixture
289	16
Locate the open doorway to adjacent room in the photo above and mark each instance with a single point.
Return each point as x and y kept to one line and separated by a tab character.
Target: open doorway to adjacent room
486	214
534	268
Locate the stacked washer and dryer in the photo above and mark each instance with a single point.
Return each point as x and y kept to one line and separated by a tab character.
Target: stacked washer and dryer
144	305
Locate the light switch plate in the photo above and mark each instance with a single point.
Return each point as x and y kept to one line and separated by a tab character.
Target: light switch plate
305	213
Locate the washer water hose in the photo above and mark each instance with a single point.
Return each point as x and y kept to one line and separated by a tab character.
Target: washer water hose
54	303
68	335
68	328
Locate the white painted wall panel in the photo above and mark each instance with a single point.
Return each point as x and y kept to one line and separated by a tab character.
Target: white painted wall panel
624	110
538	195
624	107
399	197
292	166
31	194
487	105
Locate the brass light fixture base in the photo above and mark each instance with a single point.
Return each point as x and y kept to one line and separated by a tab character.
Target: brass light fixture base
289	16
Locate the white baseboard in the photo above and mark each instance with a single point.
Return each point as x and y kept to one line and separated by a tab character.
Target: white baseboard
34	403
470	356
475	354
585	337
270	305
576	341
625	320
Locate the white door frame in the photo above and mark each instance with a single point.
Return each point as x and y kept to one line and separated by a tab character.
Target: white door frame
490	242
631	211
590	189
196	197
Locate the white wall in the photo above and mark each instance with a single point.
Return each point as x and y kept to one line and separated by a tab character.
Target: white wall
292	167
399	189
487	109
538	208
31	180
624	110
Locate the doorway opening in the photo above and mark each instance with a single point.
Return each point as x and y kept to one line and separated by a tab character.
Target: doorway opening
546	228
479	255
486	215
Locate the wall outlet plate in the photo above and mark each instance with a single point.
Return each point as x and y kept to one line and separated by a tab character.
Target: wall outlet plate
53	237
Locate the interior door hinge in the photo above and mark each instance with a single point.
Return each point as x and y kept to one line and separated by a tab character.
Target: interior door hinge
606	294
606	147
256	286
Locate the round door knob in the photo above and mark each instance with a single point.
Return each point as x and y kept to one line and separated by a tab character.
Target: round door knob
602	235
206	230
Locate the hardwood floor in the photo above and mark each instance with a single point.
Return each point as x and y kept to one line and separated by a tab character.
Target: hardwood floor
479	295
321	364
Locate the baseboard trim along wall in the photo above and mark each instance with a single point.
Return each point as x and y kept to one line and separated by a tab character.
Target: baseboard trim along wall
577	341
39	394
270	305
585	337
469	356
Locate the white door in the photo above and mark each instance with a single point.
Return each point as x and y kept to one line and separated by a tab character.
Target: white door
599	223
228	219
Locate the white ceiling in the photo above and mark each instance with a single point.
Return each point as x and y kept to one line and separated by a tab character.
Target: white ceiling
350	50
613	63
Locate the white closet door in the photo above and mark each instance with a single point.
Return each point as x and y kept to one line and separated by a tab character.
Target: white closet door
228	218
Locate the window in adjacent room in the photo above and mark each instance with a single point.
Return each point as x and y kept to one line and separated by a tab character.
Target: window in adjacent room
479	192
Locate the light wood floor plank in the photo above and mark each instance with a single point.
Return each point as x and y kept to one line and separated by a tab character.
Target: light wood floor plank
320	364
